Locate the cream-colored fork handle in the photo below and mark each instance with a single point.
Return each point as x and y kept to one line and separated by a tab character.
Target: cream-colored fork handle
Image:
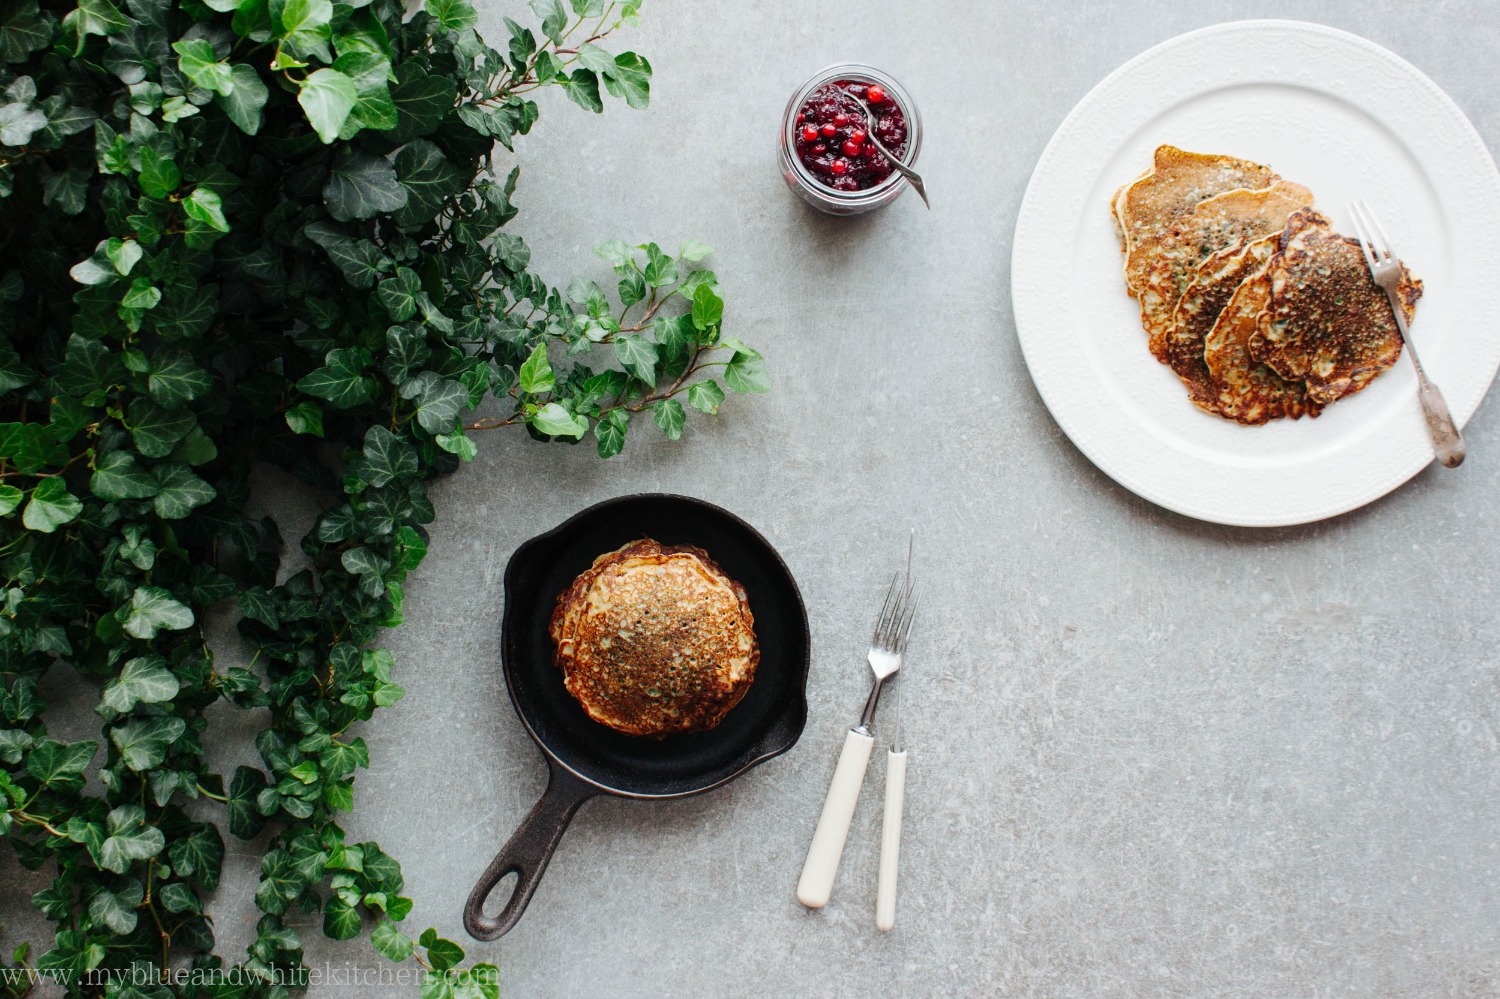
816	884
890	839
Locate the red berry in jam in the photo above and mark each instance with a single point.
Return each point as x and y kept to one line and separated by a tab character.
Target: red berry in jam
832	137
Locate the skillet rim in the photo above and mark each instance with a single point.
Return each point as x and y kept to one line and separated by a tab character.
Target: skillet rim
508	620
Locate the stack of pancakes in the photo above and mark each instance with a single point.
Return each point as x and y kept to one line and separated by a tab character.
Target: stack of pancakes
1246	292
655	640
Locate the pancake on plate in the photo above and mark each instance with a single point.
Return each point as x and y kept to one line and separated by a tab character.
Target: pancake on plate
655	640
1242	388
1329	324
1224	222
1147	207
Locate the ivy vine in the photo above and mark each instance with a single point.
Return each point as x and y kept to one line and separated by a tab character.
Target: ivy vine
270	230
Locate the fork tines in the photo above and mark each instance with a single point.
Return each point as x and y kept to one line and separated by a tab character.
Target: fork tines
893	627
1366	226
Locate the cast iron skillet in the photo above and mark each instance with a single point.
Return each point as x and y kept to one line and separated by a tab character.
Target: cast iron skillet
586	758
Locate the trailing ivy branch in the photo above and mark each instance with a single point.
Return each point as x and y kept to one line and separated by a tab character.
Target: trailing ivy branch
270	230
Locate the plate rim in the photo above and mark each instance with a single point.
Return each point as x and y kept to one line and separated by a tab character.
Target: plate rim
1066	412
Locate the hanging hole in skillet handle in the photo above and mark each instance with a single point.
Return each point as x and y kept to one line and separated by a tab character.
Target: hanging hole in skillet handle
526	854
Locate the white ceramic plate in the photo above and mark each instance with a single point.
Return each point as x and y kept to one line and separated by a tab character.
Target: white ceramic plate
1329	110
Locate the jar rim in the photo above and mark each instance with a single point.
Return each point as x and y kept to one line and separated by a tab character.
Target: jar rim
864	72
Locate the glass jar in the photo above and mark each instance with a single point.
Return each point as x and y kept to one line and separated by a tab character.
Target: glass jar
807	185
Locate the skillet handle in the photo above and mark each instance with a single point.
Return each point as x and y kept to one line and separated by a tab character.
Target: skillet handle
526	854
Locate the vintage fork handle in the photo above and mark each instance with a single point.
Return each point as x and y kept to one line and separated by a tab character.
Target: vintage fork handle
827	849
890	839
1447	441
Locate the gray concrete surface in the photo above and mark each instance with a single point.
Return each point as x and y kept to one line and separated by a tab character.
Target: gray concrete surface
1150	757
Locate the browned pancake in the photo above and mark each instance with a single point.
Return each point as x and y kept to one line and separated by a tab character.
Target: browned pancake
1247	391
1328	323
655	640
1199	311
1148	206
1223	222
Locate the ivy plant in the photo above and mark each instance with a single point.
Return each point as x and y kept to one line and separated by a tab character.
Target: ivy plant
240	231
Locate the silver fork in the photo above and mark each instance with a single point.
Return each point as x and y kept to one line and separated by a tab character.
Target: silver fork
870	122
1385	268
887	645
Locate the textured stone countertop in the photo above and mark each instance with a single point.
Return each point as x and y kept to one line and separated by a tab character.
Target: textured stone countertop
1149	756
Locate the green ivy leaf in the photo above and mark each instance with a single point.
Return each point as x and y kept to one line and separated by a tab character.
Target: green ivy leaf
207	207
582	89
143	742
554	18
637	355
306	30
179	491
244	104
142	295
373	108
176	378
157	430
660	270
245	819
422	101
361	186
256	604
706	396
51	507
143	680
441	954
457	443
694	251
118	477
669	415
536	373
554	420
428	179
440	404
196	59
340	919
361	261
708	308
10	498
390	942
196	448
178	897
97	17
159	176
59	764
305	418
398	293
327	96
198	855
341	380
22	31
116	909
388	457
452	15
152	609
610	432
630	78
746	372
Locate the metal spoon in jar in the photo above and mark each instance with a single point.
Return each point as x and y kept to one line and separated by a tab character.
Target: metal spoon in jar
870	122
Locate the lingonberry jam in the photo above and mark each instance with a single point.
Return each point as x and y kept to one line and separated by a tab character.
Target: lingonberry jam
832	135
